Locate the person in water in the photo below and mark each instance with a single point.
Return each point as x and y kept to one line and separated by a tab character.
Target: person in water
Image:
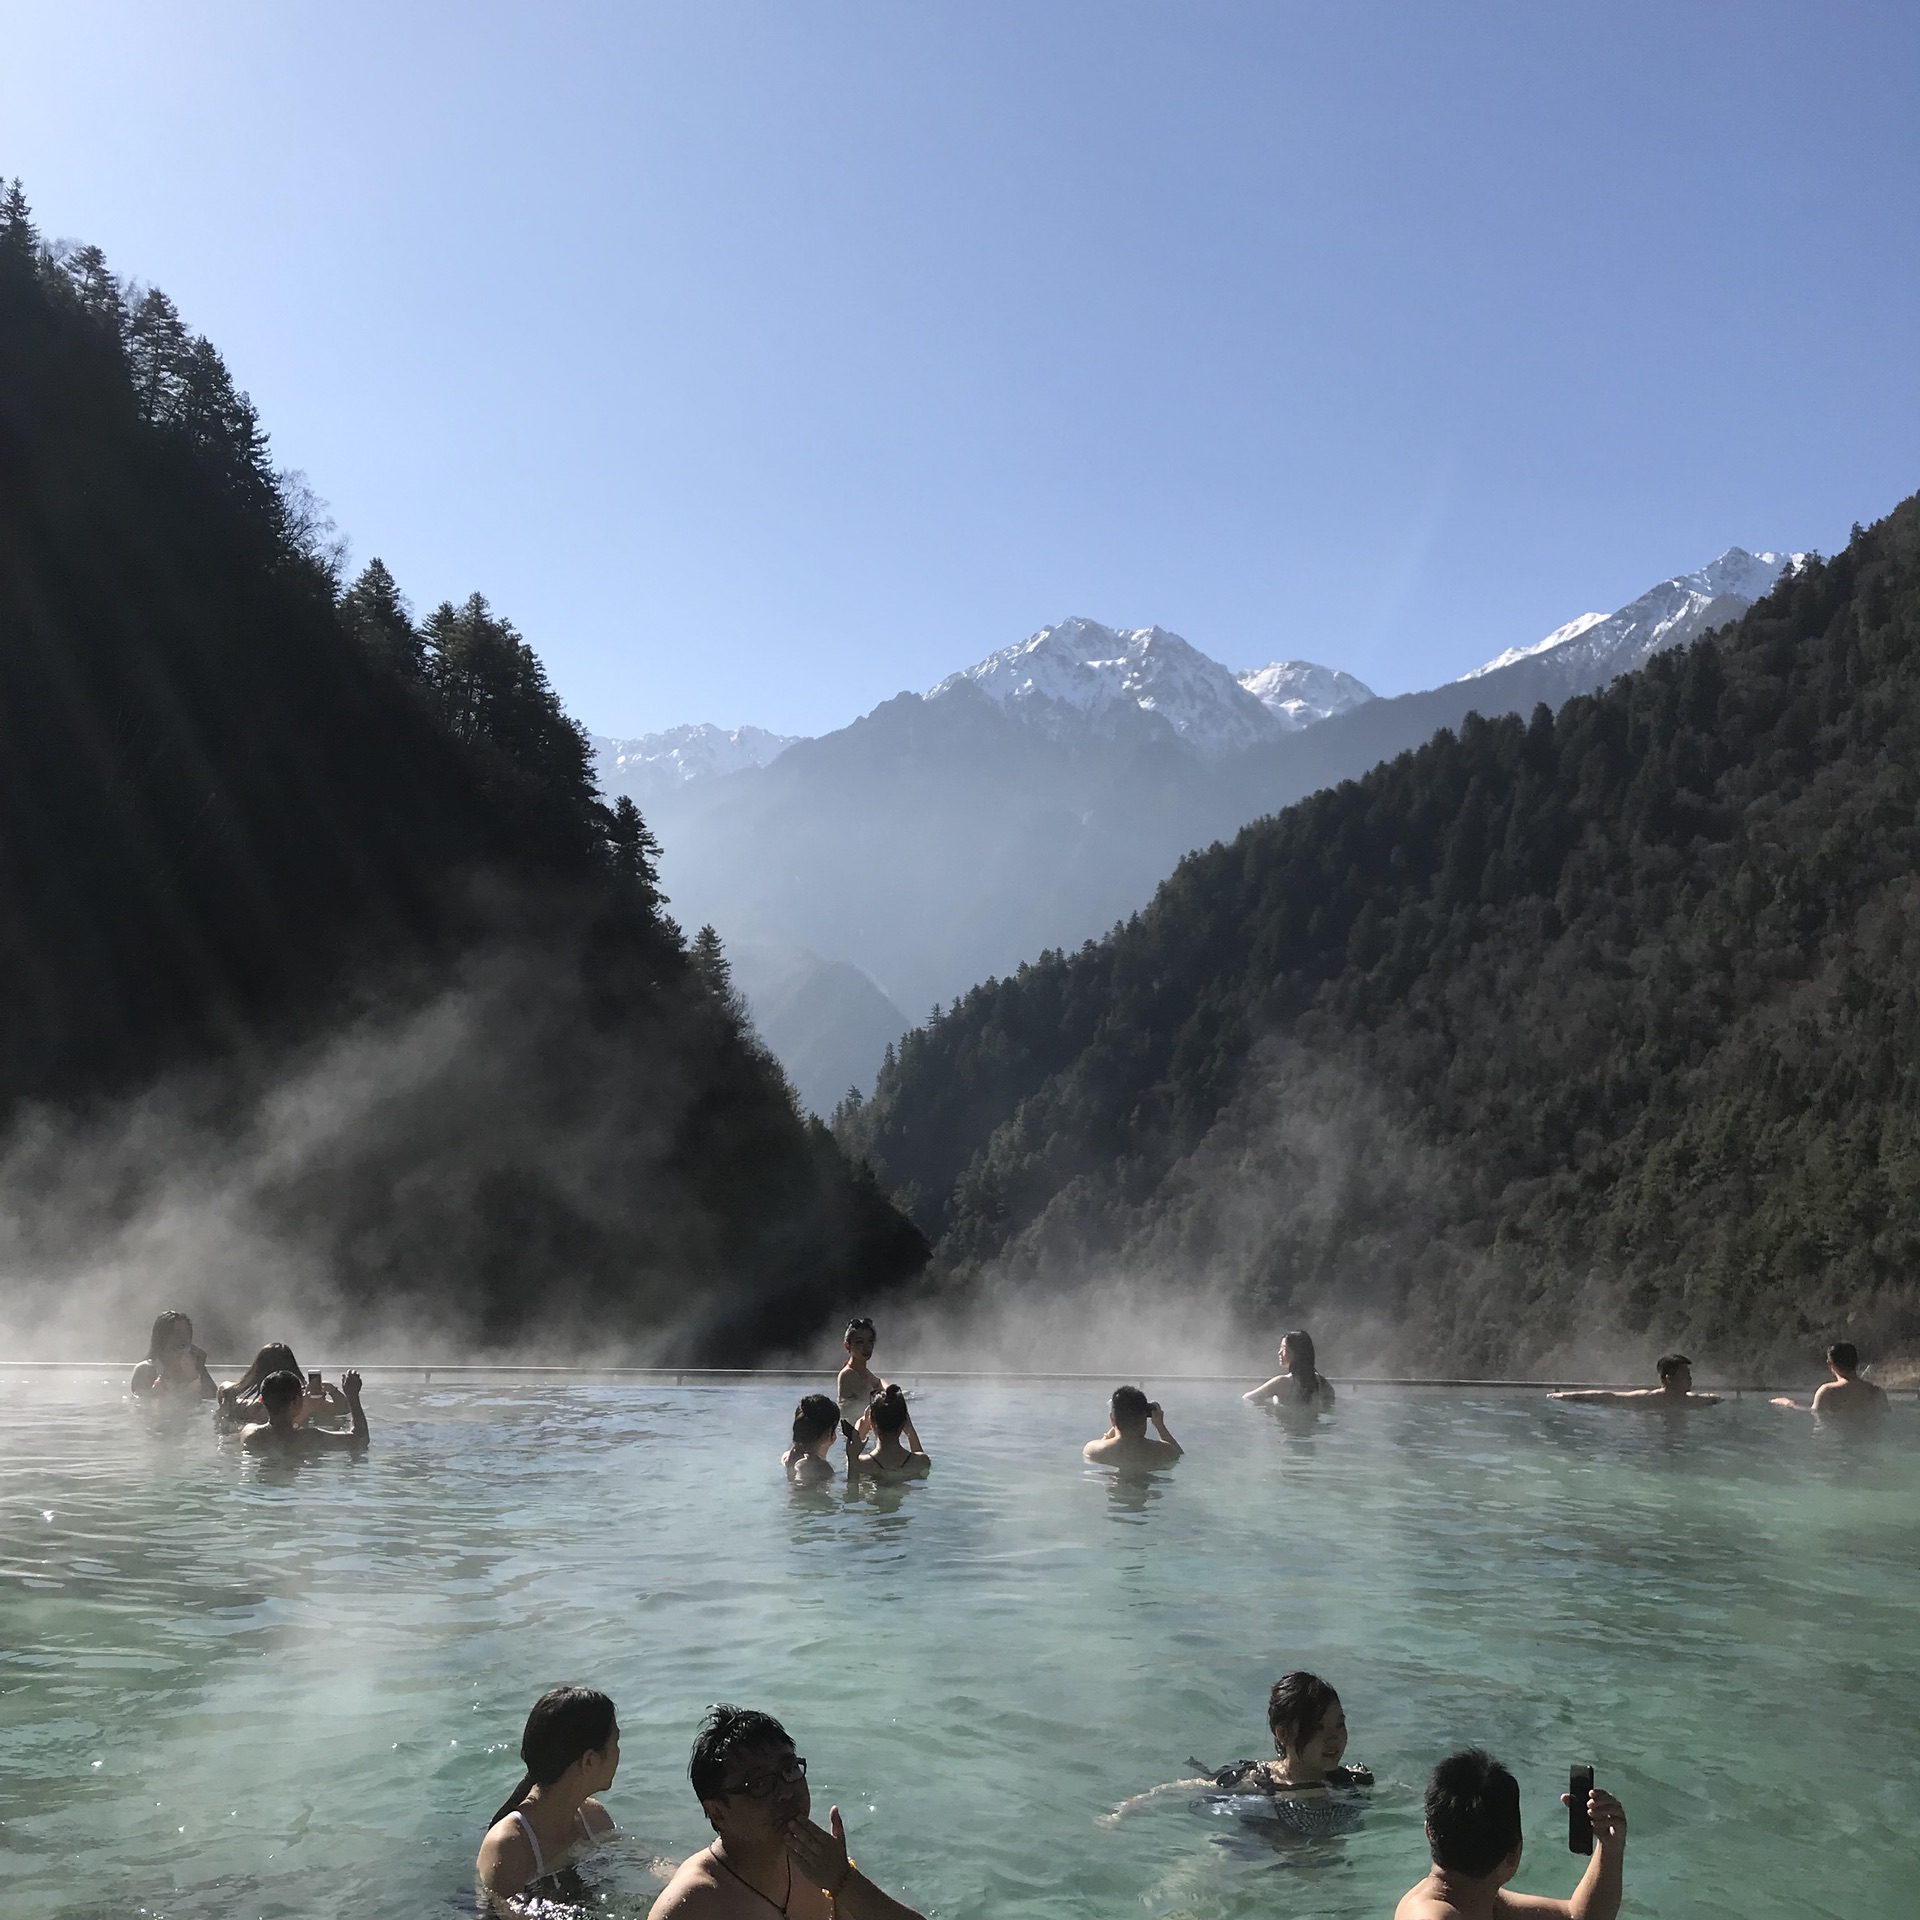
174	1367
283	1398
1125	1442
1298	1383
767	1855
858	1382
1473	1837
1309	1729
240	1399
890	1457
1846	1398
571	1751
816	1425
1674	1394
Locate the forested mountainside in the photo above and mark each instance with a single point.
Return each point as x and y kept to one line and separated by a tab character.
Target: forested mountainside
247	819
1606	1020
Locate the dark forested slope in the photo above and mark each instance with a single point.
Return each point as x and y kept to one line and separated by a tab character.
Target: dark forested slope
248	821
1603	1020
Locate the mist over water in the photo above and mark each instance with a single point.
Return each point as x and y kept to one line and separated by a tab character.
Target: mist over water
229	1686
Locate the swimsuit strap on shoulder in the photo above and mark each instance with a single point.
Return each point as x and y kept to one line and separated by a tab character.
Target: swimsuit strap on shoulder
533	1840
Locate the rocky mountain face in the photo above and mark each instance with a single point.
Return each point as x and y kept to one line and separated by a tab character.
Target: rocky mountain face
1034	799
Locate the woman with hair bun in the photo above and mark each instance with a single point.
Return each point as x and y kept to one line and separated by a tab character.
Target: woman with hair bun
1298	1383
890	1458
571	1751
816	1424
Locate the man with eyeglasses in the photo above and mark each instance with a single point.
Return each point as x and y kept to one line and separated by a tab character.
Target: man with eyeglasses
767	1854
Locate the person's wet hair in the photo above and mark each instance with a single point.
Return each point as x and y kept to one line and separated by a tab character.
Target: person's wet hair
1128	1407
565	1723
889	1409
859	1333
1473	1813
815	1415
275	1357
1300	1357
166	1334
1670	1363
724	1732
281	1390
1844	1355
1295	1708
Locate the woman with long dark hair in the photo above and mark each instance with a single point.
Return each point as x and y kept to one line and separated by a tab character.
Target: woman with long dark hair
1298	1383
240	1399
174	1366
571	1751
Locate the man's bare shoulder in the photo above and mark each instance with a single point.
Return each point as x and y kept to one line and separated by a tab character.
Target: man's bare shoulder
695	1892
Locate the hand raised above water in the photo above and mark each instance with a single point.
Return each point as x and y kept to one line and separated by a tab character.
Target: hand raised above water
821	1856
1606	1816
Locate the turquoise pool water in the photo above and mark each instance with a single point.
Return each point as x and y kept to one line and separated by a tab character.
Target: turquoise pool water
230	1688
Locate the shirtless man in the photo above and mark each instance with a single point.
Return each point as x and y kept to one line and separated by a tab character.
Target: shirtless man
1125	1442
1846	1397
1674	1393
767	1856
283	1397
1473	1834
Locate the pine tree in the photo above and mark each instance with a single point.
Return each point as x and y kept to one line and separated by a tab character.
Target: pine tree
19	238
95	290
157	342
376	614
636	853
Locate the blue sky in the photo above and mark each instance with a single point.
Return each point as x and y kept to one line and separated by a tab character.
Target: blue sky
761	360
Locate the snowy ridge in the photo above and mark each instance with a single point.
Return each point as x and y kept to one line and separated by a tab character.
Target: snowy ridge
1081	677
1668	615
653	763
1299	694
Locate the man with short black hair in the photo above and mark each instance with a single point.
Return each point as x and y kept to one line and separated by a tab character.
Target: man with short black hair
283	1397
1846	1397
1125	1443
1473	1836
1674	1393
767	1854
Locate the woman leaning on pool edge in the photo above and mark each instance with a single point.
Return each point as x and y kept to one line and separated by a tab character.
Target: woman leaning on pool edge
571	1751
1299	1383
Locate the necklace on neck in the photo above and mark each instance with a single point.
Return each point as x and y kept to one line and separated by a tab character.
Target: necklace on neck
720	1859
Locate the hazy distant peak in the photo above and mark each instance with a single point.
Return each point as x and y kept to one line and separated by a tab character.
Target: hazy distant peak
1083	676
1667	615
650	763
1299	693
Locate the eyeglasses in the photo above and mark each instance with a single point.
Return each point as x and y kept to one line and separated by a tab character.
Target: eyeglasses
762	1786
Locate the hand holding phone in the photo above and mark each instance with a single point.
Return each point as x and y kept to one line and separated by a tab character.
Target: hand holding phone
313	1381
1579	1825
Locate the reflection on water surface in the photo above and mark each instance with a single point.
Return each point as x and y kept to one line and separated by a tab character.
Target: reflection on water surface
253	1687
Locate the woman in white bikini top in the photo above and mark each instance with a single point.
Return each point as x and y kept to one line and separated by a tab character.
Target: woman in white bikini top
571	1750
858	1382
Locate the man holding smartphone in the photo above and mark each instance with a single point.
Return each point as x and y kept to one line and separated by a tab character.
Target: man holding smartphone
1126	1443
1473	1835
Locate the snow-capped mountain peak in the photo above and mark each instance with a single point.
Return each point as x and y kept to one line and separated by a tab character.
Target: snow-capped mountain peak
1669	615
653	763
1082	676
1298	693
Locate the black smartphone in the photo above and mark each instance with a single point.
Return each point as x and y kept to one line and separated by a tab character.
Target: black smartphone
852	1438
1579	1827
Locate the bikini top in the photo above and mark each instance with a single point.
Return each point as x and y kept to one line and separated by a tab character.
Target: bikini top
588	1840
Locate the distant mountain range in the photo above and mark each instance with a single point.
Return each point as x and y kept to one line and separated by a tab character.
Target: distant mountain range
1032	800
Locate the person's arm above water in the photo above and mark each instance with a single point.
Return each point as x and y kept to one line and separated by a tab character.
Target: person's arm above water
146	1378
1597	1897
822	1857
1596	1396
1267	1390
357	1436
1160	1427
